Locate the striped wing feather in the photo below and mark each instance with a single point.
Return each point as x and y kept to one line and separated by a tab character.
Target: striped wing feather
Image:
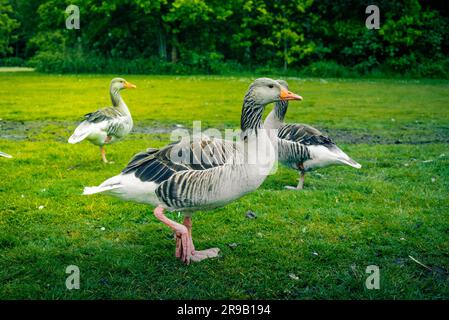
104	114
158	165
304	134
112	116
185	171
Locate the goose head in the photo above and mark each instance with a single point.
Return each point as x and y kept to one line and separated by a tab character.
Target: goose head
265	90
280	108
118	84
283	83
260	93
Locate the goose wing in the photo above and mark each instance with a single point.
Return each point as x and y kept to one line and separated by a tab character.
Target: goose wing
292	151
104	114
304	134
158	165
112	119
320	147
107	119
188	174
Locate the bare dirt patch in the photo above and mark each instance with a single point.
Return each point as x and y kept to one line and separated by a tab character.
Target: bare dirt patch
61	130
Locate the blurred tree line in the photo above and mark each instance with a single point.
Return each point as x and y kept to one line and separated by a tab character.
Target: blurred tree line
320	37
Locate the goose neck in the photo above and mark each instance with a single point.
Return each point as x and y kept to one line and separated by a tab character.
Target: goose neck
280	109
272	121
116	98
251	120
118	102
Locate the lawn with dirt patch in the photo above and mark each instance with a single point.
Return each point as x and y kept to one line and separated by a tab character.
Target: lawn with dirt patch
315	243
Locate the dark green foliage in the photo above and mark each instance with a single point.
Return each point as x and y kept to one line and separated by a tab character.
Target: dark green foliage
12	62
55	62
329	69
318	38
7	25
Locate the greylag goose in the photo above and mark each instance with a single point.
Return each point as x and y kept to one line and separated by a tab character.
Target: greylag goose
324	152
202	173
2	154
106	125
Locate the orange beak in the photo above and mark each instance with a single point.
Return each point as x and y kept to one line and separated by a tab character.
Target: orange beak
287	95
129	85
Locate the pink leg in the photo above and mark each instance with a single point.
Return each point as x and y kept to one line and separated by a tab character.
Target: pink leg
182	235
188	224
197	256
300	185
103	150
103	154
301	181
185	249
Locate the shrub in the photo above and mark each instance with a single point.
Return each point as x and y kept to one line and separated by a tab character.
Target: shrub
328	69
431	69
57	62
51	62
12	62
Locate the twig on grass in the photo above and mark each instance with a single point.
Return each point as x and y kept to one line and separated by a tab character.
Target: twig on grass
420	263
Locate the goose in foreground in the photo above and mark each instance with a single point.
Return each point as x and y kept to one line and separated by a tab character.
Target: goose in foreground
2	154
106	125
201	173
324	151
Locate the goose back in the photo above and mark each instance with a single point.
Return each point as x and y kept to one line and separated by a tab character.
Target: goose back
304	134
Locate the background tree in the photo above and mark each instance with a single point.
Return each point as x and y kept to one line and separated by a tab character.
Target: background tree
326	37
7	25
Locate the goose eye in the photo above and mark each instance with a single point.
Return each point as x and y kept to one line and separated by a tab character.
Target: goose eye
270	86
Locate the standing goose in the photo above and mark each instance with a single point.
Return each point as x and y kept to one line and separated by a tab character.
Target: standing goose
323	150
106	125
202	173
2	154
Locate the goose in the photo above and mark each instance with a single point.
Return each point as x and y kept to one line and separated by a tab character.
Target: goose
201	173
324	151
2	154
107	125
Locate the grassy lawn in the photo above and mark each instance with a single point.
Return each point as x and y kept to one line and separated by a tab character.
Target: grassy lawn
311	244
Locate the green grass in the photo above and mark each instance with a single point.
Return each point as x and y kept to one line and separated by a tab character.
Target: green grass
395	206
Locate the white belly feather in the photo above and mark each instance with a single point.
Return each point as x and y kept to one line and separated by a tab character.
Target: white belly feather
129	188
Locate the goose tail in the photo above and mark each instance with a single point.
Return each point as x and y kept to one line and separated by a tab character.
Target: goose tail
323	156
81	133
350	162
100	189
345	159
2	154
